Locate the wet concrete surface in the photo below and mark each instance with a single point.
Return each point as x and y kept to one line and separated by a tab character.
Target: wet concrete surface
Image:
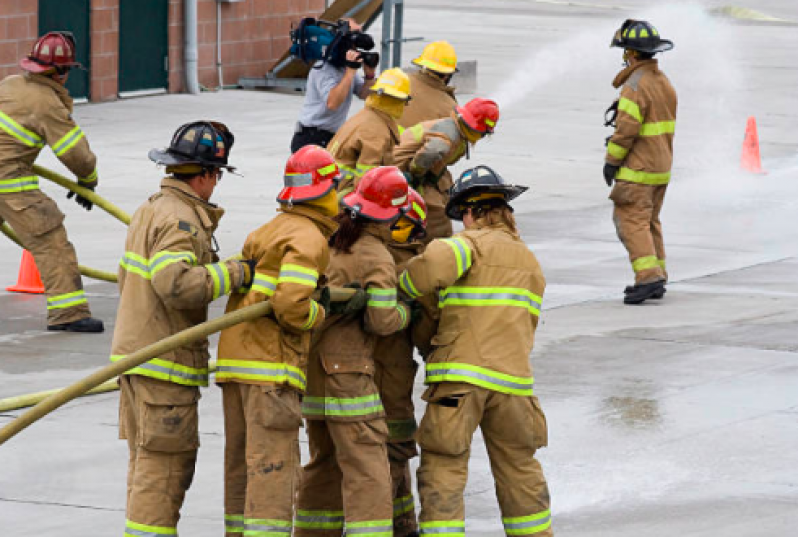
677	417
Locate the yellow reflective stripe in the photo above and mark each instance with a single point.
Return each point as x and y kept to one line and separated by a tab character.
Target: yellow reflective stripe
264	284
19	184
402	505
163	259
419	210
381	298
134	529
403	315
68	141
478	376
490	122
92	177
406	285
279	373
646	178
417	131
311	519
442	528
298	274
343	406
631	108
67	300
233	523
655	129
168	371
527	525
363	168
461	252
312	314
221	279
662	264
617	151
491	296
645	263
370	528
19	132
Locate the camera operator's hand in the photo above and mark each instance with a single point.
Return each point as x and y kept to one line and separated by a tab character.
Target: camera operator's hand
353	60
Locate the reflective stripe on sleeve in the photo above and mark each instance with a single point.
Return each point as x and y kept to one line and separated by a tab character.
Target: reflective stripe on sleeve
275	372
645	178
147	268
134	529
312	315
19	132
361	169
402	310
221	279
264	284
490	296
447	528
631	108
406	285
527	525
19	184
617	151
69	140
461	252
381	298
343	406
298	274
478	376
89	179
417	131
168	371
67	300
319	520
655	129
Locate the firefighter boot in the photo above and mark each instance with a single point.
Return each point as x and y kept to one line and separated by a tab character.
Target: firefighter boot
657	296
87	324
642	292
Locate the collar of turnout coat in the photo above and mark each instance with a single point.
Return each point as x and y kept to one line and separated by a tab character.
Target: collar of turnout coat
481	224
60	91
326	225
435	82
381	231
209	213
623	76
391	122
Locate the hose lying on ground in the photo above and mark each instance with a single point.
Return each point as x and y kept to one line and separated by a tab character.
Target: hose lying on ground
86	271
90	195
149	352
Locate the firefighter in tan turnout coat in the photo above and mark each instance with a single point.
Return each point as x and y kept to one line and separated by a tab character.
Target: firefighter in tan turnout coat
490	287
262	363
431	96
169	274
640	156
347	483
36	110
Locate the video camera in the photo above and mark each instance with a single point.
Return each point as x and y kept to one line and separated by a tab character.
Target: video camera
314	40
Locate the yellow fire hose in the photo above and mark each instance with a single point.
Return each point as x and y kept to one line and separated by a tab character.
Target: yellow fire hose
90	195
149	352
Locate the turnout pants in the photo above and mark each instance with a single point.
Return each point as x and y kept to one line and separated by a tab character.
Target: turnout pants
636	218
394	375
261	463
159	420
514	427
39	224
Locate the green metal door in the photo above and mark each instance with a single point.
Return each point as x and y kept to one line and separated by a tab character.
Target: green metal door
72	16
143	45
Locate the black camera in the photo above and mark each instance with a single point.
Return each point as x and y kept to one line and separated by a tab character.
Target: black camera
370	59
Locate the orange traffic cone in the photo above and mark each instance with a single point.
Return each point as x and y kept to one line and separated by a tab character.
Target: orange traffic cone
29	280
751	161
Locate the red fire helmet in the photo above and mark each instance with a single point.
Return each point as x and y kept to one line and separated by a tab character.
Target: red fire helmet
479	114
52	51
310	174
381	195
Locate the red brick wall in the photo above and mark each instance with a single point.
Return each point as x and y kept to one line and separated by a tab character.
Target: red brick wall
254	36
19	22
104	49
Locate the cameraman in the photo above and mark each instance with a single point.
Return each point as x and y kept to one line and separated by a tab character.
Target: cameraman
329	96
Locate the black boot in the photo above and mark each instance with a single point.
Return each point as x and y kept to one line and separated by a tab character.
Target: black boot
89	324
656	296
640	293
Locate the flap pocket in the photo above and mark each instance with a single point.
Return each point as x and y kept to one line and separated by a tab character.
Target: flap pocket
169	428
338	362
35	213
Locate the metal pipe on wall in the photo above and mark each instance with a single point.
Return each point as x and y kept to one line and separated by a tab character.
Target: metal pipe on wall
219	44
190	49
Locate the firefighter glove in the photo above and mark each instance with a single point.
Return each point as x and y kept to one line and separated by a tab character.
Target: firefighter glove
609	173
248	267
416	311
80	200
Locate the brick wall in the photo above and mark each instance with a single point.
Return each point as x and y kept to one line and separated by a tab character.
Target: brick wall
104	49
19	22
254	36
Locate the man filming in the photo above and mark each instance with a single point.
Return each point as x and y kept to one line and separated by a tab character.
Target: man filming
331	87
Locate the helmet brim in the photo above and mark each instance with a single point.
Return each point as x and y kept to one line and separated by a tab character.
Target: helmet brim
164	157
306	193
663	46
453	207
38	68
371	211
432	66
390	92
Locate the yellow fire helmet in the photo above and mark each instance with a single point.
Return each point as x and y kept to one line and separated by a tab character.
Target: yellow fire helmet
394	83
439	57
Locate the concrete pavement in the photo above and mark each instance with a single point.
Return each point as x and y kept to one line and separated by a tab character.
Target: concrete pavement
673	418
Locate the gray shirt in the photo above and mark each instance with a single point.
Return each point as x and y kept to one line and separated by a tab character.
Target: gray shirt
320	82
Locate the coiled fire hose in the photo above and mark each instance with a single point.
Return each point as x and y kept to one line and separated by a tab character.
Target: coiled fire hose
149	352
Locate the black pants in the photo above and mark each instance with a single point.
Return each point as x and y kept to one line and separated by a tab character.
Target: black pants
308	136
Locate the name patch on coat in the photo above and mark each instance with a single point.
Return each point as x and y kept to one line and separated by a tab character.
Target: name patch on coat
185	226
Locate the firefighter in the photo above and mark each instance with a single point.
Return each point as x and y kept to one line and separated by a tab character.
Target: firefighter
169	274
426	151
36	110
395	369
431	96
490	286
262	363
367	139
347	483
640	155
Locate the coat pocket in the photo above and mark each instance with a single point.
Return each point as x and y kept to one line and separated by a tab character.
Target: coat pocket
169	428
36	214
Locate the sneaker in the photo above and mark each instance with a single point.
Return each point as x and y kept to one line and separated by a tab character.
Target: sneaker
639	293
89	324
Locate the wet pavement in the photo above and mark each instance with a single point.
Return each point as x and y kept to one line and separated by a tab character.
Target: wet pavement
677	417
